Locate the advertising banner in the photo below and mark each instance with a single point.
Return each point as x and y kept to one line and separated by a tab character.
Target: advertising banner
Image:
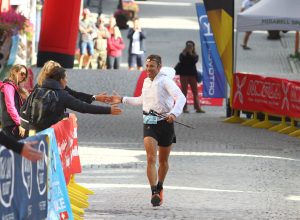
220	15
59	207
66	137
213	72
275	96
23	184
202	100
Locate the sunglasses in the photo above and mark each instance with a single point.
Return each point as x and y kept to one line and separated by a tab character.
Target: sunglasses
23	74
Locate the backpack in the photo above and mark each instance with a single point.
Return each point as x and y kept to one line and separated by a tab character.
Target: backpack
39	105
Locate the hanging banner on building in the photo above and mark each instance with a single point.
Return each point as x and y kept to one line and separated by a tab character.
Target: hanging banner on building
214	85
23	184
66	137
59	206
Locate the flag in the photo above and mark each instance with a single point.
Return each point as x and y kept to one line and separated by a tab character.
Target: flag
220	15
214	85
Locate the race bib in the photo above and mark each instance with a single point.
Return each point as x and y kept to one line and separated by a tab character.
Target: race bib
150	119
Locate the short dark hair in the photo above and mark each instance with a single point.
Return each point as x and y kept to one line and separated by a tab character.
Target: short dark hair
154	57
57	73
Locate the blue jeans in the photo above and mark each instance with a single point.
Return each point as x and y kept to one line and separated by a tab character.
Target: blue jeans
84	46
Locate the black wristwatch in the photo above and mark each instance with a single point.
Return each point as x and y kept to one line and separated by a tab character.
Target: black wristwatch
93	98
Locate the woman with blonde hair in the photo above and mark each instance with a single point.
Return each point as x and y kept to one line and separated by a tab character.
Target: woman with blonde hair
12	98
115	45
88	98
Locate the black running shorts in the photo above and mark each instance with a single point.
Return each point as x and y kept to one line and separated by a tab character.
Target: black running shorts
163	132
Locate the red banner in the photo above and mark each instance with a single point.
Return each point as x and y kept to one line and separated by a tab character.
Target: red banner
66	136
275	96
202	100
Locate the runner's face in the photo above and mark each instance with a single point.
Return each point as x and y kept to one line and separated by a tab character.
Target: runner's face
152	69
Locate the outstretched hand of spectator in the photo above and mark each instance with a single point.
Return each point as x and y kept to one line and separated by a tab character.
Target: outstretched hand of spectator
115	110
30	153
102	97
115	98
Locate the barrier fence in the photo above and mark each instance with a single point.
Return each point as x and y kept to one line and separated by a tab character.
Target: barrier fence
46	189
268	95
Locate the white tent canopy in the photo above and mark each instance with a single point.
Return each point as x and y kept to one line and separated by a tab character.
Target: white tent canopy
270	15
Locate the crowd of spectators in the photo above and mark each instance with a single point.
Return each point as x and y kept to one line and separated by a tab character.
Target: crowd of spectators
101	43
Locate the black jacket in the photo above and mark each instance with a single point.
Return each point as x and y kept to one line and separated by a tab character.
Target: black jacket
66	100
80	95
187	65
6	118
11	143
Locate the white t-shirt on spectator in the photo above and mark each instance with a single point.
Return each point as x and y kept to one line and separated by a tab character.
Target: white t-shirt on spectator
136	47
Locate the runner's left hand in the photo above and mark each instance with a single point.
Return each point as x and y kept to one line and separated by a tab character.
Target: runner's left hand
171	118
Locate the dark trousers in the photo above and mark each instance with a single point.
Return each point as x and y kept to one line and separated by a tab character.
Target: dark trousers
185	81
113	62
12	131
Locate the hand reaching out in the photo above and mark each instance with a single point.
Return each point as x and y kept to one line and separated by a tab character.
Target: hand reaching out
30	153
115	98
102	97
115	110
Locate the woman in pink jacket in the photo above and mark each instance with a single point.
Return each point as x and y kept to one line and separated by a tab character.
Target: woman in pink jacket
115	45
12	97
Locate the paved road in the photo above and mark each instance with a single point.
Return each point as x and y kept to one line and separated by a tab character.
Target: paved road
218	170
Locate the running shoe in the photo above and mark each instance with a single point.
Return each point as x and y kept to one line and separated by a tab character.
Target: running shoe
161	195
155	200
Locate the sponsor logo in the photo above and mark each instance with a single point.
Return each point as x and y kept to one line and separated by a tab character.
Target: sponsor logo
7	174
41	170
205	26
27	175
285	101
239	85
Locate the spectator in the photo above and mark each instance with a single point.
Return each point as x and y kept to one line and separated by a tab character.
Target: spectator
86	28
24	149
56	80
11	101
115	45
186	69
136	48
101	43
245	5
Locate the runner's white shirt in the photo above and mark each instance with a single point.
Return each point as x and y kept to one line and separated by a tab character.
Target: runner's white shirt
161	95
